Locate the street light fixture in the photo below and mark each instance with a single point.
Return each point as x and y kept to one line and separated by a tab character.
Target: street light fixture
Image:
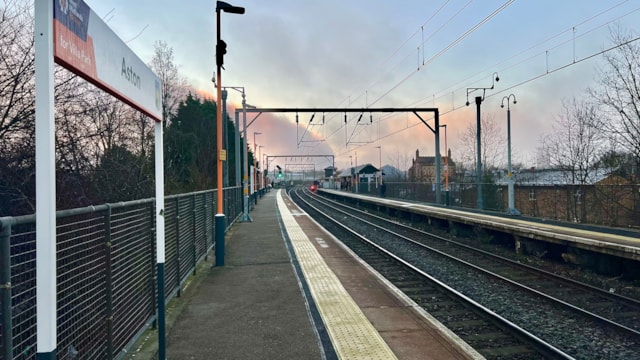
221	49
479	99
512	209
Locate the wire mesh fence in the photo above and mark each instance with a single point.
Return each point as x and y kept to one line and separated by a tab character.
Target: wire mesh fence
615	205
106	271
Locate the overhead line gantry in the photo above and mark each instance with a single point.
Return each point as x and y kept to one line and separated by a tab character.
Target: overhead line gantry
417	110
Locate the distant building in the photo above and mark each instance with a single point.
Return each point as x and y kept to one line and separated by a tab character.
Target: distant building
423	168
363	173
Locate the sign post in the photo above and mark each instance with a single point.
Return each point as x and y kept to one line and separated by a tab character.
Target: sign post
70	33
46	299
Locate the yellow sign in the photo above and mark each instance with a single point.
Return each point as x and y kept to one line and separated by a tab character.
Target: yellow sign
223	154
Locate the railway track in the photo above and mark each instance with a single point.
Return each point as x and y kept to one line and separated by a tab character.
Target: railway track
546	315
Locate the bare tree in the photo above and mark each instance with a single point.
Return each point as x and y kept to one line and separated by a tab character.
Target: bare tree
400	162
494	144
576	141
17	108
619	92
174	86
17	72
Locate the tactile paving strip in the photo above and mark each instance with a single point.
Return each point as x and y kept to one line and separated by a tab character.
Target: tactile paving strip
351	333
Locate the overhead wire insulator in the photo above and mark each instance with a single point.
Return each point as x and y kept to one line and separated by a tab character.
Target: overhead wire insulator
360	118
312	116
296	118
370	118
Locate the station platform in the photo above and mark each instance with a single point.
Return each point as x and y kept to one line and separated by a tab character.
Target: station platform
289	290
619	243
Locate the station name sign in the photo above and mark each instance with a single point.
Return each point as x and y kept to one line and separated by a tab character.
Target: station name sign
85	45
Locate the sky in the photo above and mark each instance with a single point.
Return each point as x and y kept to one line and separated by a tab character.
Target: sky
374	53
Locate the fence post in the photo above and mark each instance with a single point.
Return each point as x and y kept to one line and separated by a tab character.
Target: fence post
153	263
178	259
206	226
108	280
194	232
5	288
213	218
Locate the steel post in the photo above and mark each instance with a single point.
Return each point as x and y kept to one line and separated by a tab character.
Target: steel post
480	201
510	184
5	290
220	226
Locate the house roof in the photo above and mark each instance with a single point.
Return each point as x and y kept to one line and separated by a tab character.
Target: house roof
431	160
360	169
554	177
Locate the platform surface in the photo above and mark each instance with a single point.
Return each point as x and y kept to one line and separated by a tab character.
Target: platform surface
288	290
252	307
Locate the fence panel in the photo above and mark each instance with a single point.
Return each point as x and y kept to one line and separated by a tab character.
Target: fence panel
106	271
81	291
600	204
133	270
23	290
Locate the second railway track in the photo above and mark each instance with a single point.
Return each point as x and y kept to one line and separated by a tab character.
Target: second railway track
560	317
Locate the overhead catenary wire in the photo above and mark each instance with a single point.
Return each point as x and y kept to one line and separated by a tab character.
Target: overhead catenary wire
448	92
460	85
385	69
534	78
449	47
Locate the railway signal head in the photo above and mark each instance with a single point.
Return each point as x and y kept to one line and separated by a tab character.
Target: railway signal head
221	49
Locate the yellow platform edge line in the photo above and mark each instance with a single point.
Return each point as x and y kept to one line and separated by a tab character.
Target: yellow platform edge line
351	333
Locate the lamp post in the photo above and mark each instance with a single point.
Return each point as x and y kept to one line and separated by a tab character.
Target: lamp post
512	209
240	89
245	148
255	153
265	170
479	99
221	49
380	159
245	166
225	141
446	167
261	165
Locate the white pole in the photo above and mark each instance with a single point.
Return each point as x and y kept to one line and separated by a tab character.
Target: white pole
160	253
46	299
159	169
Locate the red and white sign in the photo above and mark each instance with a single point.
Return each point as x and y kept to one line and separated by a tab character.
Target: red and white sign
84	44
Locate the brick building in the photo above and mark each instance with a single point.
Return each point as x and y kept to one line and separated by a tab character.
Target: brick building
423	168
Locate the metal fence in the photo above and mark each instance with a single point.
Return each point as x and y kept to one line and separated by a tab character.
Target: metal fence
603	204
106	271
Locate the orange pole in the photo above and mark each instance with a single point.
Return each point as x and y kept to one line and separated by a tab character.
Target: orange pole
219	123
